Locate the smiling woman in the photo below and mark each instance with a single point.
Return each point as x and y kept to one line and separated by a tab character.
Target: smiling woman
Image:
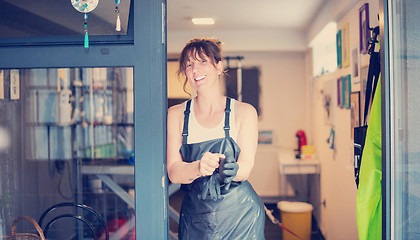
211	145
200	54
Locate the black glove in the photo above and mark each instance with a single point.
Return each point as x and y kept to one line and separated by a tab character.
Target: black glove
230	169
211	189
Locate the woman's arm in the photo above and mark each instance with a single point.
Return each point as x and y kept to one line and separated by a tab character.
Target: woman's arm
247	122
178	170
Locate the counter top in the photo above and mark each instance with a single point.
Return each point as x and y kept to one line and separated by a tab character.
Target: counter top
289	164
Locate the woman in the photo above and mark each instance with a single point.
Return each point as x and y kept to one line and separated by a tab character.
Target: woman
211	146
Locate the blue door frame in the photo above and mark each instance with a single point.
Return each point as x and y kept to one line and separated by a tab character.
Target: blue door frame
144	49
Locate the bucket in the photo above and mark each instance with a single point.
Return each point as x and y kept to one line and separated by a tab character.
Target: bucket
297	217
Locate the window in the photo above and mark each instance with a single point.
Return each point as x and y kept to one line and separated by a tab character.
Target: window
58	18
324	53
70	138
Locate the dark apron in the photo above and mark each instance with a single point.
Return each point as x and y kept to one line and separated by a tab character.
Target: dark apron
209	210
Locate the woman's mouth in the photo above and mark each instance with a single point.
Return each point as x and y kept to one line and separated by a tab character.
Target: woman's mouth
199	78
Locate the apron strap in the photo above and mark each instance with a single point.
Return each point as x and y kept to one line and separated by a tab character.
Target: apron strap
186	118
227	114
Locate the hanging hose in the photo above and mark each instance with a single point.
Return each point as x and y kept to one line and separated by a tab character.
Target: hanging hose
275	221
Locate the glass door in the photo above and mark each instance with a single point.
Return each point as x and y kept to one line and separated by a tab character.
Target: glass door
75	116
68	137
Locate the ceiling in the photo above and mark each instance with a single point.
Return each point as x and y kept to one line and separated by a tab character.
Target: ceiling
233	15
244	25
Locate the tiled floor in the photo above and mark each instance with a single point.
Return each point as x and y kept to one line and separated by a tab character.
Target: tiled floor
272	231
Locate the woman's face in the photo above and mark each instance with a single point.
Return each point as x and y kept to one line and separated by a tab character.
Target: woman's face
202	72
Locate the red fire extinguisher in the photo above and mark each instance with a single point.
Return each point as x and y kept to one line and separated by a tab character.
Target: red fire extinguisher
301	142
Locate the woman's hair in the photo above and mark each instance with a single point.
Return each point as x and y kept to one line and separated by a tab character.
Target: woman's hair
200	47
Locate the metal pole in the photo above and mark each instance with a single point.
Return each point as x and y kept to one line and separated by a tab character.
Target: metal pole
239	82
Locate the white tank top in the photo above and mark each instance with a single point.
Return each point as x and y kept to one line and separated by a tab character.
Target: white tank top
198	133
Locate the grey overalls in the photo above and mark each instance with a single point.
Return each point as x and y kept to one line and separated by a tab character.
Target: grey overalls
209	211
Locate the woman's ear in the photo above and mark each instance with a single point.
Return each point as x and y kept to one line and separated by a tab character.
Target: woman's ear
219	67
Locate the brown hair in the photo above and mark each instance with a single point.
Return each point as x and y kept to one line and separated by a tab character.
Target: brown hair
200	47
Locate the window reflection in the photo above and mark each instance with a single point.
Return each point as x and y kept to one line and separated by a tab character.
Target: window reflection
67	136
24	18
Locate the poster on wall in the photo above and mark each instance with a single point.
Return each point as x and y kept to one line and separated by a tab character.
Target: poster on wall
346	88
339	92
355	80
338	47
265	137
345	52
355	111
364	32
355	62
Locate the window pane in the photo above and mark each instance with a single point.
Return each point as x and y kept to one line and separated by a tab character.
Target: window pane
67	136
405	88
324	50
28	18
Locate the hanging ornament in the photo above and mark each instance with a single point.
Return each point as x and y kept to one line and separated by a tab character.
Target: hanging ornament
85	6
117	11
86	32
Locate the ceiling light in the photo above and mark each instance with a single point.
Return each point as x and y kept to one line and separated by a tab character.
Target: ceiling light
203	21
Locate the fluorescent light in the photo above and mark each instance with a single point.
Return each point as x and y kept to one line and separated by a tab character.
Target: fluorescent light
203	21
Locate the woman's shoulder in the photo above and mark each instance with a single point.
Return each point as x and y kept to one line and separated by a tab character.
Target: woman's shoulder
175	117
177	110
244	109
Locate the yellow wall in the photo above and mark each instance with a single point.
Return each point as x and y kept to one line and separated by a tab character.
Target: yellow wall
175	83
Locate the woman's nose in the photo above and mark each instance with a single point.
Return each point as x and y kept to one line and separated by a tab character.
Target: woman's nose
194	67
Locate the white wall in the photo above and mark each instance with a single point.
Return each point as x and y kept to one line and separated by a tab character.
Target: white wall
282	105
257	40
332	10
282	96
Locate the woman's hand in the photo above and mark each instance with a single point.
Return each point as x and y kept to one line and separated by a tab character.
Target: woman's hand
209	162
